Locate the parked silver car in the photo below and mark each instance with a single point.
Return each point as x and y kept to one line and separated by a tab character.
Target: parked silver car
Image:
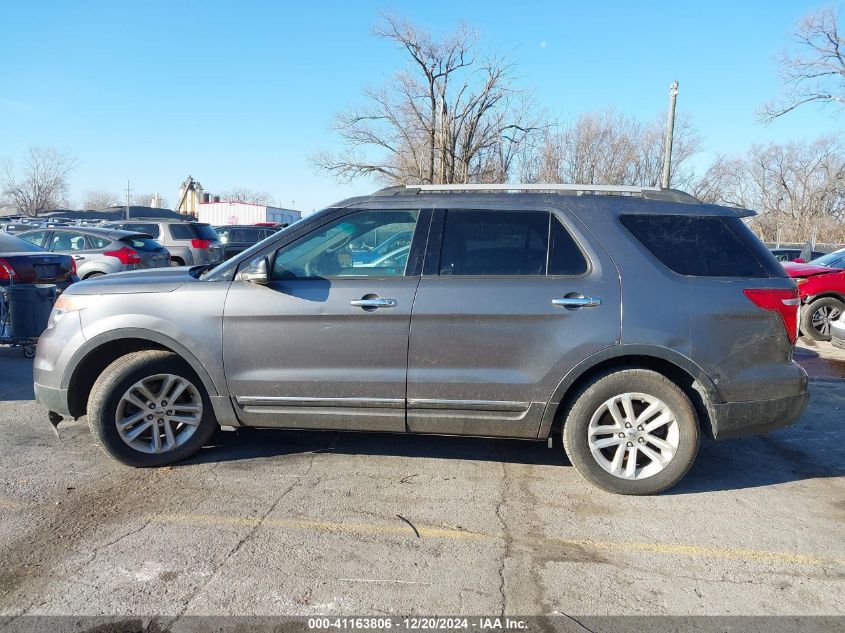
189	243
101	251
629	325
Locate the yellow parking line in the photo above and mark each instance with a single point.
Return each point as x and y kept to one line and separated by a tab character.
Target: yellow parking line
706	551
671	549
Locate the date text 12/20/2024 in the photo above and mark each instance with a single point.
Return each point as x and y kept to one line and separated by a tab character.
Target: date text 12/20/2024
418	623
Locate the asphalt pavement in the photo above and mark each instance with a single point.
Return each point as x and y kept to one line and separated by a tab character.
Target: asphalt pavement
282	522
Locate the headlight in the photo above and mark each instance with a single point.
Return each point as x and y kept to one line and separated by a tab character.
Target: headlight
64	304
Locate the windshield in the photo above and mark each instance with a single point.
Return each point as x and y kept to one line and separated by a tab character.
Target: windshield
836	259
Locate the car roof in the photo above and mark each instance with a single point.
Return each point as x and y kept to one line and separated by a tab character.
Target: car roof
241	226
114	234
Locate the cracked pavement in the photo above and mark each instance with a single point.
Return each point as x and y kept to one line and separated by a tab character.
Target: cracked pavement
281	522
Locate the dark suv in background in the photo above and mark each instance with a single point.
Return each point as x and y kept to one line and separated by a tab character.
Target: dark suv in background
236	238
629	321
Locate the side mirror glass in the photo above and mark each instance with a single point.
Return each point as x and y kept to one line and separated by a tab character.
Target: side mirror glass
256	272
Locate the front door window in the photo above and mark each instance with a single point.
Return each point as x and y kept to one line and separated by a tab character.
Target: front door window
361	244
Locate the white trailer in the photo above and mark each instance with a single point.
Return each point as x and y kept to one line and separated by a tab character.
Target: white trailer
220	213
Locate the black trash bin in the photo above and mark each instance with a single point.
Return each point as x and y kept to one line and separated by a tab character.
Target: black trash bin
26	309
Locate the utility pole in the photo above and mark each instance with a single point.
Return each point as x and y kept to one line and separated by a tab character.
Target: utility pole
126	214
670	130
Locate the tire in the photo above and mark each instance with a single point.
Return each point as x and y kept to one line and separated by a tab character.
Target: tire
817	315
175	262
108	401
590	417
94	274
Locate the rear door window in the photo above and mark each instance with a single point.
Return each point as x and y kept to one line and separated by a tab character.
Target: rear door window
703	246
565	258
68	241
484	242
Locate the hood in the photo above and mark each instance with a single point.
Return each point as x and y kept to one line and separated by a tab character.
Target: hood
807	270
136	281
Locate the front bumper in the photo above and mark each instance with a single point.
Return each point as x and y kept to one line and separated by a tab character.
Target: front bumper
741	419
837	333
52	398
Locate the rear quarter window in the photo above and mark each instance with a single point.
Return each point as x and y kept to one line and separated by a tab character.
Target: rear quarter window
181	232
141	243
206	232
703	246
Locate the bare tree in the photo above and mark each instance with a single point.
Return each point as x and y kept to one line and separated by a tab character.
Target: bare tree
41	183
144	200
816	71
100	199
242	194
797	188
450	117
609	148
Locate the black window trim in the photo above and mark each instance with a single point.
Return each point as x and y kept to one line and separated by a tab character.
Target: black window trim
431	265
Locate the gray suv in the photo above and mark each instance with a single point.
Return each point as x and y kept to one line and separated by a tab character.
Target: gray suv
189	243
629	321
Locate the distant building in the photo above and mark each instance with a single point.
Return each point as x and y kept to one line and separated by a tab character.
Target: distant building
190	196
205	207
219	212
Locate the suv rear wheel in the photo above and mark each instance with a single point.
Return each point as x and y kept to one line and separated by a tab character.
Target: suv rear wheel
632	431
149	409
817	316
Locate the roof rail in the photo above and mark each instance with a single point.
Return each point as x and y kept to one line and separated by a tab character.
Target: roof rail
536	187
653	193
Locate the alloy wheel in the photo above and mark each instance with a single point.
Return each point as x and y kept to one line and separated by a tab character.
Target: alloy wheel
159	413
823	317
633	435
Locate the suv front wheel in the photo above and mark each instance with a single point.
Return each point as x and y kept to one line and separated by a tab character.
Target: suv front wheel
632	431
150	409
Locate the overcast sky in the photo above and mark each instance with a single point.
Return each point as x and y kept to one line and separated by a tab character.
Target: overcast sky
242	93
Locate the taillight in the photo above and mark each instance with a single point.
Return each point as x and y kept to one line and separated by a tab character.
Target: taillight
781	300
201	243
72	266
6	271
126	255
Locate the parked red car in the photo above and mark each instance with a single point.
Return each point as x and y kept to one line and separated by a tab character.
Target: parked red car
821	284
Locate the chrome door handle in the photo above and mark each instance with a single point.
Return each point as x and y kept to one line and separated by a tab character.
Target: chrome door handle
78	257
577	302
374	303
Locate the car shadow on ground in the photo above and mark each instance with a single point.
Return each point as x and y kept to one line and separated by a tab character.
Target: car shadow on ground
15	375
727	465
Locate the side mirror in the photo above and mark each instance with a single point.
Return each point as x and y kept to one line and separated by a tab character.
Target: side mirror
257	272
